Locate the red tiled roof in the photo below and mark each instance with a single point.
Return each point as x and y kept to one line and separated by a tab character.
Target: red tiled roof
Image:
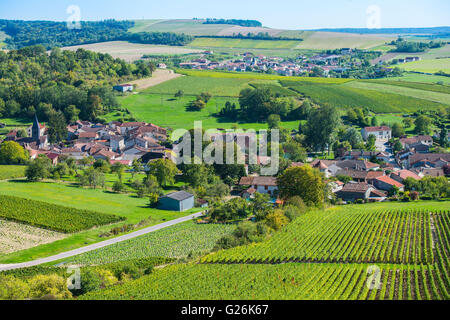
390	181
404	174
84	135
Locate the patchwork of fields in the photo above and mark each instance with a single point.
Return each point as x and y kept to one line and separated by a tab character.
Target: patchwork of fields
244	43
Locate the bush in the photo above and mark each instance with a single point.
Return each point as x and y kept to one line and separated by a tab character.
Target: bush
118	186
12	288
48	287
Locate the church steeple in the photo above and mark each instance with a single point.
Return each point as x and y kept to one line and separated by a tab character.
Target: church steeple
36	130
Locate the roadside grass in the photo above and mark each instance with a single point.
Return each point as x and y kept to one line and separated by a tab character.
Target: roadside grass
132	208
11	172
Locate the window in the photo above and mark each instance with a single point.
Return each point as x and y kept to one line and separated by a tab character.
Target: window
266	187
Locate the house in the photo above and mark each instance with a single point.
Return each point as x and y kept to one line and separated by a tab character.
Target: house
54	157
402	175
117	143
381	133
354	191
386	183
266	185
162	66
430	172
408	143
433	160
124	87
176	201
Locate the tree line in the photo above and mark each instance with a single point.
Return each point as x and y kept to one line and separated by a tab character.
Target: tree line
237	22
56	34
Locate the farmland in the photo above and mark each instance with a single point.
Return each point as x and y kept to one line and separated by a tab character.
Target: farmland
50	216
280	282
132	51
428	66
17	236
345	96
335	40
244	43
178	241
11	172
321	255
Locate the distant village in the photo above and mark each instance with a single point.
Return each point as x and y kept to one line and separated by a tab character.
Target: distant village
371	175
325	64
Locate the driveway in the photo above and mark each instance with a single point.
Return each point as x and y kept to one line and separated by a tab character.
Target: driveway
99	245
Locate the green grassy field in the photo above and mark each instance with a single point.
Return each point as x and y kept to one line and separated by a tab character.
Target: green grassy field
177	241
428	66
422	78
222	87
413	85
172	113
244	43
345	96
403	90
363	233
11	172
131	208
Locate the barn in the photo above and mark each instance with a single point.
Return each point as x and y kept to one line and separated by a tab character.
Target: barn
124	87
176	201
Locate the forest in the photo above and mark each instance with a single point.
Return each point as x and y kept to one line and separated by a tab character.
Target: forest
76	84
56	34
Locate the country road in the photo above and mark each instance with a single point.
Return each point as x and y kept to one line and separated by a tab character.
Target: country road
99	245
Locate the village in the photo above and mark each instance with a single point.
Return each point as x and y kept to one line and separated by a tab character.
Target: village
353	176
327	63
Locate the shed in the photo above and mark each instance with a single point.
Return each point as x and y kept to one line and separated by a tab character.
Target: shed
176	201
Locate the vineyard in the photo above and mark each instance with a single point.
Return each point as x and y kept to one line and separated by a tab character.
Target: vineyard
50	216
11	172
279	282
175	242
351	236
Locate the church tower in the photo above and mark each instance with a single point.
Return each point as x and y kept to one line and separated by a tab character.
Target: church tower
36	130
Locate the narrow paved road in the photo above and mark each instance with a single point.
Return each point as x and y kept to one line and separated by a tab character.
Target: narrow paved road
100	244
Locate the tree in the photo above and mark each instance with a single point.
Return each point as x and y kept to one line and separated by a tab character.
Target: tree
273	121
232	210
118	186
295	151
164	170
321	126
443	137
71	113
304	182
261	206
102	165
137	167
196	174
179	94
370	145
354	137
397	130
374	122
422	124
118	168
57	128
39	168
276	220
92	177
12	288
408	122
397	146
49	287
12	153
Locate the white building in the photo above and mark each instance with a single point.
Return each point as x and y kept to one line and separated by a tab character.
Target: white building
381	133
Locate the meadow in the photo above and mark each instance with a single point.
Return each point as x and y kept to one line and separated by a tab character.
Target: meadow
428	66
11	172
167	111
180	241
422	78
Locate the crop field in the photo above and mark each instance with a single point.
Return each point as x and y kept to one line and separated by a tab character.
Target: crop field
413	85
335	254
50	216
281	282
244	43
428	66
11	172
132	51
17	236
407	91
422	78
344	96
356	236
174	242
335	40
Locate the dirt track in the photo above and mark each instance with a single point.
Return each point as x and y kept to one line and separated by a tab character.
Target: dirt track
159	76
